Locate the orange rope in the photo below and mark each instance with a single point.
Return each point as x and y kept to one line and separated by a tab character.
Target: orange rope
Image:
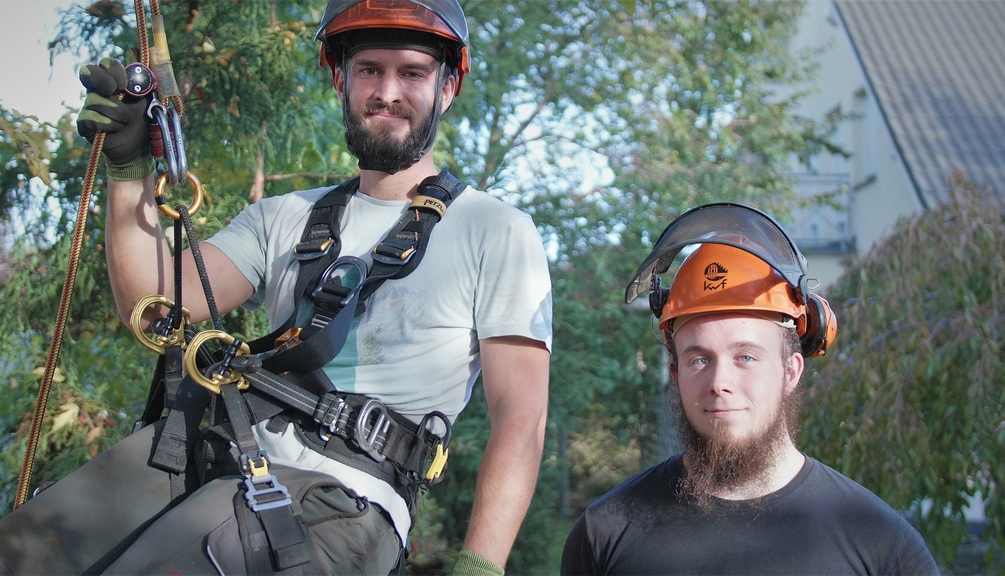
71	277
61	318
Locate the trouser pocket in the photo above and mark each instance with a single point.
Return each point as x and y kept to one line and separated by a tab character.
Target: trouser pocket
349	535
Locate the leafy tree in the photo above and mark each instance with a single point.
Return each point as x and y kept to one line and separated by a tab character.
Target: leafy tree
910	401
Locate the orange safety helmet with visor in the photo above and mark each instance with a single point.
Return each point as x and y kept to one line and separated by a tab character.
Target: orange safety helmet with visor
745	262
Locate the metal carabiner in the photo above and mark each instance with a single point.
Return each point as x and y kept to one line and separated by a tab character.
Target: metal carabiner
443	441
169	123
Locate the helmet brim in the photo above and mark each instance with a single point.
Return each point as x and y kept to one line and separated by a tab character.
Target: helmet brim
726	223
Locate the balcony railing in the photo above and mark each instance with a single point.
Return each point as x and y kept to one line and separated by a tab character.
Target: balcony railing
824	228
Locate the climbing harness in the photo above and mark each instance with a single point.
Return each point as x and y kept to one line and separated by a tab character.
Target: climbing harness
279	378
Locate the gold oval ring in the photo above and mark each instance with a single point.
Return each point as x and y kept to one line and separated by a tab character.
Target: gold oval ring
161	201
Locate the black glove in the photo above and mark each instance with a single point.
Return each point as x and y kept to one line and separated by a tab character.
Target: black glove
124	122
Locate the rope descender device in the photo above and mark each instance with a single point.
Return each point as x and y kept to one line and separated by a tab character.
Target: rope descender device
220	373
166	335
167	142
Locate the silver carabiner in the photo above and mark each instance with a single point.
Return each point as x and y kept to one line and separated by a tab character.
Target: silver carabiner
169	122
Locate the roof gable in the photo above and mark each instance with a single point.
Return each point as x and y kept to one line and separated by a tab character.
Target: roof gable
938	71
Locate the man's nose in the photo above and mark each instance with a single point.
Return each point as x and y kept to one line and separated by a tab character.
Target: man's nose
389	89
722	380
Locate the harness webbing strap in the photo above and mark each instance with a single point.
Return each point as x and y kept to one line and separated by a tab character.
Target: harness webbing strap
399	453
264	495
404	246
319	246
321	347
394	257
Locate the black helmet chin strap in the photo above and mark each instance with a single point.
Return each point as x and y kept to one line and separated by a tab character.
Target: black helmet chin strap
367	161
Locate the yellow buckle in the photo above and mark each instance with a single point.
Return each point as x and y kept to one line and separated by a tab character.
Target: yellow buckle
439	461
262	470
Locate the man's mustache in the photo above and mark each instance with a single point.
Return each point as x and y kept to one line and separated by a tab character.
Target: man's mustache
393	109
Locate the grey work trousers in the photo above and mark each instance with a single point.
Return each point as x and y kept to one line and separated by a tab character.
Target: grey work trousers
113	516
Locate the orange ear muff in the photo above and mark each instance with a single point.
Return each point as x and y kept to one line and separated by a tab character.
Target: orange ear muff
821	327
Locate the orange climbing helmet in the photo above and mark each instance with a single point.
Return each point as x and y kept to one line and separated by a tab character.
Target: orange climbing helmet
437	27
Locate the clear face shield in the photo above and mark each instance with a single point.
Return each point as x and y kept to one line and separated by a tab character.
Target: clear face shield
726	223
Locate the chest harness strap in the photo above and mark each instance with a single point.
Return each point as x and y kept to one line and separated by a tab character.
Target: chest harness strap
394	257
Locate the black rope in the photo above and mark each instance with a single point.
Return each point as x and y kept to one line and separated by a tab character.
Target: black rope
176	310
193	243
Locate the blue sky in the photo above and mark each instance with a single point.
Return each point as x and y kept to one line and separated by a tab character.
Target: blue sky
27	82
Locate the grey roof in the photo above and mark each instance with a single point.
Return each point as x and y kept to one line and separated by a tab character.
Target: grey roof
937	68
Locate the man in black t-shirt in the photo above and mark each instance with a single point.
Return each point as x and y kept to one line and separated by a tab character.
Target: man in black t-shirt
742	499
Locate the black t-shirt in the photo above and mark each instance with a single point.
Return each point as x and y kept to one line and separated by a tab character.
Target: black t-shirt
820	523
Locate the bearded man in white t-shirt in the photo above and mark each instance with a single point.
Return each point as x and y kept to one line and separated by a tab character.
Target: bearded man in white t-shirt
478	302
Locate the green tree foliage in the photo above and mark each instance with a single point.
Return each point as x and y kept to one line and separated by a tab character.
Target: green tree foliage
910	403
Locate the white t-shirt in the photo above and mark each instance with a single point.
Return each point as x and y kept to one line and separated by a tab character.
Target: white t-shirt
484	274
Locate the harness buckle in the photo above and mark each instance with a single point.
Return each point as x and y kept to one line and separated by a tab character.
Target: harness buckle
392	255
372	425
311	249
332	413
262	490
255	463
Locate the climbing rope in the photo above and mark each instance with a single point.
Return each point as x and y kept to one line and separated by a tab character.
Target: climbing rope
171	128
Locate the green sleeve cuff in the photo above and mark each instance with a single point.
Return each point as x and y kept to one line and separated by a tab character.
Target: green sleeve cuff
471	564
135	169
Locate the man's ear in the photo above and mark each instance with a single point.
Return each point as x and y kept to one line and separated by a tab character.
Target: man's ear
447	92
673	372
338	79
794	371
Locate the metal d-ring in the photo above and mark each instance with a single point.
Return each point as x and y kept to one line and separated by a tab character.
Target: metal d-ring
157	342
215	380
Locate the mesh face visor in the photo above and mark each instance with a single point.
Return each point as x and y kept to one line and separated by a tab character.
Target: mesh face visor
723	223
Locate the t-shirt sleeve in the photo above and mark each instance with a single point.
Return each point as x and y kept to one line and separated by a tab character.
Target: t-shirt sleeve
911	554
243	241
513	295
577	556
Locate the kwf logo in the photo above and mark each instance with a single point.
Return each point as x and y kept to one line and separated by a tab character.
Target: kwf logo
715	277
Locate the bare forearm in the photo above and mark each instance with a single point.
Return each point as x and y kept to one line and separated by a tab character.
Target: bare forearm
137	255
504	490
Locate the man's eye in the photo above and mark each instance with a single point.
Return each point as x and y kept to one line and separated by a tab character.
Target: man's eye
699	361
746	358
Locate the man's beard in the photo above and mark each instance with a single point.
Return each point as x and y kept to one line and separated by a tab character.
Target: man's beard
378	146
719	463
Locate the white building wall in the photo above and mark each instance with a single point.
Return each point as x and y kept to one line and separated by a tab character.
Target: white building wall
877	188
